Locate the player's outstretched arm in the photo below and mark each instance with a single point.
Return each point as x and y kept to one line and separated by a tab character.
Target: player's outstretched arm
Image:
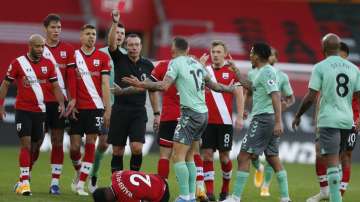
112	34
117	90
3	91
150	85
218	87
306	103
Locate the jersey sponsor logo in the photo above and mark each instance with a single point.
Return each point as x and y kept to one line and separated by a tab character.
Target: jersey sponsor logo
96	62
63	54
44	69
225	75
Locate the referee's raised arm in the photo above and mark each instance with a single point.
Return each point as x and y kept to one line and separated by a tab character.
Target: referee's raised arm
112	34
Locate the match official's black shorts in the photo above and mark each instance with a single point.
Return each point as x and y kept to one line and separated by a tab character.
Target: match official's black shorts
30	124
89	121
126	123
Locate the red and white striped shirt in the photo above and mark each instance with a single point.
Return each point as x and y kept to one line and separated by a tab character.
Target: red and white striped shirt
89	71
220	104
32	81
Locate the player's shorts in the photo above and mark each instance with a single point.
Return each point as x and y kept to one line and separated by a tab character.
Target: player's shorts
190	126
89	121
348	140
260	138
330	139
127	123
166	133
30	124
217	137
52	116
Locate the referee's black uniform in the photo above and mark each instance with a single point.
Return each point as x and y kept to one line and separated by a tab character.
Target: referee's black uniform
128	117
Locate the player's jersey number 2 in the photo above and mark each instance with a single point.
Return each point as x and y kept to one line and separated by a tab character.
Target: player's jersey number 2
136	178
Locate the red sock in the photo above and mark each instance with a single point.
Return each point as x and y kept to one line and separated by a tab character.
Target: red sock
321	172
24	163
209	176
226	169
199	167
88	160
57	160
163	168
75	158
345	178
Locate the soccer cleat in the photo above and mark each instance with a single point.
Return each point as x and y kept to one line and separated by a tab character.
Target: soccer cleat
179	199
223	196
54	190
81	192
92	184
25	189
264	191
201	195
17	187
75	181
259	176
318	197
232	199
211	197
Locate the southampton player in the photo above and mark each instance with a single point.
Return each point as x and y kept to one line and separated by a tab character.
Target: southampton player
190	79
219	131
134	186
348	142
32	73
266	127
336	79
102	143
264	174
92	104
62	55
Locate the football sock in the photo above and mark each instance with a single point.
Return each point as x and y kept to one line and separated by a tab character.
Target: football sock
99	155
283	184
135	162
345	179
24	163
209	176
256	163
116	163
241	179
182	177
57	160
226	176
192	179
268	172
87	163
321	173
334	185
163	168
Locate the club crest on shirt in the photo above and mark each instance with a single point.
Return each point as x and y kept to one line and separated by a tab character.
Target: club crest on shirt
44	69
96	62
271	82
225	75
18	127
143	77
63	54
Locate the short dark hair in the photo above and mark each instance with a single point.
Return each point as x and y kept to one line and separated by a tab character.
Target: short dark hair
263	50
181	43
133	35
344	47
219	43
120	25
87	26
52	17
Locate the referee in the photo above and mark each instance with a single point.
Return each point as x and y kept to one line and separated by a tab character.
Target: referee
128	111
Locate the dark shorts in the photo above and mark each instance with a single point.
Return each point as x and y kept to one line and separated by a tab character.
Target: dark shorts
126	123
52	116
89	121
217	137
348	140
330	139
30	124
166	133
259	137
190	126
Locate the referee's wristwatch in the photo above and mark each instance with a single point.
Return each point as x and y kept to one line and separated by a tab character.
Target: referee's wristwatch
156	113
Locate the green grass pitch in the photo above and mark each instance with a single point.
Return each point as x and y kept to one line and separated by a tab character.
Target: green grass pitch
302	180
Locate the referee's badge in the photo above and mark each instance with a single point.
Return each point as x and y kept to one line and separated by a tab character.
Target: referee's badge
44	69
63	54
96	62
225	75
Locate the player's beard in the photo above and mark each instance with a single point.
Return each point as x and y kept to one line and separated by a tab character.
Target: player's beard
34	55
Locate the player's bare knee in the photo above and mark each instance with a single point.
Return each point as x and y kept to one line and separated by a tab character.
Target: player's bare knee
136	149
118	150
102	147
224	157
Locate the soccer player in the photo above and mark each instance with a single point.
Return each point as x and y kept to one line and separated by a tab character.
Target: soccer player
336	79
92	104
32	73
263	174
129	115
348	142
62	55
134	186
190	79
219	131
266	127
102	143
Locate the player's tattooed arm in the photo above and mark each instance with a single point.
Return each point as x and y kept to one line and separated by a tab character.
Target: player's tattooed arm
150	85
117	90
218	87
112	34
306	103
